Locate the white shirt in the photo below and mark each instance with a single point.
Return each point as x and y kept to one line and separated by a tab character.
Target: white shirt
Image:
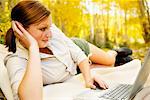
55	68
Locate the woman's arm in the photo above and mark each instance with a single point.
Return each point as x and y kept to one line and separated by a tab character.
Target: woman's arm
89	80
85	69
80	58
31	85
101	57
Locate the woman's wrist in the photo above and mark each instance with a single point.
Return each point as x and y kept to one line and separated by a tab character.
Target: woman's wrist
88	80
34	47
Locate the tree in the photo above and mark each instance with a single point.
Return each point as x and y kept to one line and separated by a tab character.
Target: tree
145	22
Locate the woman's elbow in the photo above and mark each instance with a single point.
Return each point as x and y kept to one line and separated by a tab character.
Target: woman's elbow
20	94
23	94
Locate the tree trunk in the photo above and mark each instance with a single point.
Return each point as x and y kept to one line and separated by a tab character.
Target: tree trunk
91	29
125	36
107	27
144	14
106	30
91	25
147	10
116	28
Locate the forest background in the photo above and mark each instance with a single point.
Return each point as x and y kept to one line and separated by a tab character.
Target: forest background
106	23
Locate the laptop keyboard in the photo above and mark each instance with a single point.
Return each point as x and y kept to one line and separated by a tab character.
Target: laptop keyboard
120	92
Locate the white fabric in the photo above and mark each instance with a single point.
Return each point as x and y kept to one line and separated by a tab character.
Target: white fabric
4	80
122	74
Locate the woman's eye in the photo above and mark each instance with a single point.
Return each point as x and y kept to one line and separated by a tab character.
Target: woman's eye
43	29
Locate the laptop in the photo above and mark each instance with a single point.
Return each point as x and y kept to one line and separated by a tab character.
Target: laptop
118	91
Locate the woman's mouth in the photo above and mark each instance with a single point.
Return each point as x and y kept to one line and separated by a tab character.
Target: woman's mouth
45	40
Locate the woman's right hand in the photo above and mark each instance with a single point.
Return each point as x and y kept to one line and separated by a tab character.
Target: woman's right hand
23	35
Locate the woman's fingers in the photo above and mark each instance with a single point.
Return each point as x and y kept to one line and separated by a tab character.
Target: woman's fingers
92	86
22	29
101	83
18	32
15	29
104	84
96	82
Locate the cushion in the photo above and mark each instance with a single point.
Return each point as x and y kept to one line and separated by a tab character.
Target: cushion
4	79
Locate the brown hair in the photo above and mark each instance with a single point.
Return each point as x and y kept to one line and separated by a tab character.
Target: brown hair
27	13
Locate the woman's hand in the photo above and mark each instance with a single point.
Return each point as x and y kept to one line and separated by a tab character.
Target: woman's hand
23	35
96	82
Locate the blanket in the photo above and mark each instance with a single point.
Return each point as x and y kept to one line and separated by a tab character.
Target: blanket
126	73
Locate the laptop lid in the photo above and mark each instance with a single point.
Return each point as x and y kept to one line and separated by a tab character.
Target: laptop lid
142	76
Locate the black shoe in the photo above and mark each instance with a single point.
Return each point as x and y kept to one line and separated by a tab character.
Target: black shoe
123	52
122	60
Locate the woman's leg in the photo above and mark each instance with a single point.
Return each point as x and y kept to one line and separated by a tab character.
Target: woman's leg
101	57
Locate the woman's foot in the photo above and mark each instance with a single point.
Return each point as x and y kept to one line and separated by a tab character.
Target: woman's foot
123	56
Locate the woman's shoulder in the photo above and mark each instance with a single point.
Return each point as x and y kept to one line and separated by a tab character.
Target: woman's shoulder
14	59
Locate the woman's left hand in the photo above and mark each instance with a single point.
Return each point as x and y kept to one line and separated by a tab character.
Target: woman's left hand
23	35
96	82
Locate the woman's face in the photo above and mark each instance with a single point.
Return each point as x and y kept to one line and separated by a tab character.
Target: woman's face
41	31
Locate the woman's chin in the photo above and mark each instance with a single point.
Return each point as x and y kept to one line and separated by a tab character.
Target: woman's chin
43	45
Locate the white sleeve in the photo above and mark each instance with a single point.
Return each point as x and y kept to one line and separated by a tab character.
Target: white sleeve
77	54
16	68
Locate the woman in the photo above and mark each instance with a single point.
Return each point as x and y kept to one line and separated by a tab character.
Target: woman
42	54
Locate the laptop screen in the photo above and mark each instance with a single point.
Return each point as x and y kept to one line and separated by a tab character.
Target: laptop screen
143	75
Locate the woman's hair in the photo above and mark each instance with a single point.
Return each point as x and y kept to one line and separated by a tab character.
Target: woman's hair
27	13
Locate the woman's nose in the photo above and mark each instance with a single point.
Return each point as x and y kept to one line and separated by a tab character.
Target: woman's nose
48	33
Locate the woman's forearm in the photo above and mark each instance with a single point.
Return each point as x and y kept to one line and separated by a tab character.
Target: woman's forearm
31	85
85	69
